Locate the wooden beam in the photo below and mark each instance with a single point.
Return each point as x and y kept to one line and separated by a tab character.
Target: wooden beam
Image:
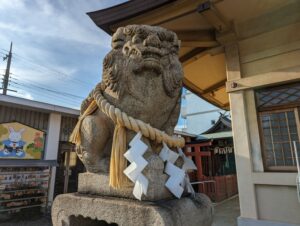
196	56
196	35
191	54
215	86
197	38
271	78
214	17
199	43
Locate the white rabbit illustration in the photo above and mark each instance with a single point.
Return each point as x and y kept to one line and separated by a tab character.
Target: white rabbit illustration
14	142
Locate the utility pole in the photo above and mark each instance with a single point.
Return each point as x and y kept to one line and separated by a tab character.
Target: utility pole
6	76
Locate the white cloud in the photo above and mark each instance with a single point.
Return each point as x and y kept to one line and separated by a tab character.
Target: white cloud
58	35
11	4
45	20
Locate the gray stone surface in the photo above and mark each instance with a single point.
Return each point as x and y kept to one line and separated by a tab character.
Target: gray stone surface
142	76
78	209
92	183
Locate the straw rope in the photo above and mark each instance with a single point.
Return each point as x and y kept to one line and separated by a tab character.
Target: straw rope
122	121
136	125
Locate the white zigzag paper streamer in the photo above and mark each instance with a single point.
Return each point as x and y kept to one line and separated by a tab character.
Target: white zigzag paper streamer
188	163
168	155
176	174
178	179
134	171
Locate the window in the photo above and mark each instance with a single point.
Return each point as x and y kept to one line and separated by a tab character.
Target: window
278	113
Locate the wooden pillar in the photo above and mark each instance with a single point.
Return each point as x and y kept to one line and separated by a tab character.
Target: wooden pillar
198	162
240	131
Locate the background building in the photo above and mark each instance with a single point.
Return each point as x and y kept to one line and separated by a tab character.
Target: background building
28	180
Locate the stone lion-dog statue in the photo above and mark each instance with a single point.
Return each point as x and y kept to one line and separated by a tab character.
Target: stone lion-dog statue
142	76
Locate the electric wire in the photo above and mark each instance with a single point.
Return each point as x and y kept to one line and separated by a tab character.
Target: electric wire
19	82
48	69
48	98
52	95
53	71
34	84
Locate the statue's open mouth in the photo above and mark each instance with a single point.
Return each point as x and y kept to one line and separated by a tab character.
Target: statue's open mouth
151	56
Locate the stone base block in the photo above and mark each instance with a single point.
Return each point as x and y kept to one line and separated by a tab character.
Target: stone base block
98	184
77	210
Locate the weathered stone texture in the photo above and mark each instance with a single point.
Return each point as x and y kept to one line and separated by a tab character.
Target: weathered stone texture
142	76
92	183
176	212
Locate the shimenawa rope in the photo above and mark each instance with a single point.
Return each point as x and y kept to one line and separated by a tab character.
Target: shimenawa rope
118	163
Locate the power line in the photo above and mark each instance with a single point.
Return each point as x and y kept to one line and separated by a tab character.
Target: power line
51	95
49	90
48	96
59	73
37	88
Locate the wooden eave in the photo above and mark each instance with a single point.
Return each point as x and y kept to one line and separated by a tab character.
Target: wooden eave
104	18
203	26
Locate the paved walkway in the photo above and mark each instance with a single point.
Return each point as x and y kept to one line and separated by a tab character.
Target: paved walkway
227	212
28	217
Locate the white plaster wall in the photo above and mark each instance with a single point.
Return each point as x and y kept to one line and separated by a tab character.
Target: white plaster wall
52	142
278	203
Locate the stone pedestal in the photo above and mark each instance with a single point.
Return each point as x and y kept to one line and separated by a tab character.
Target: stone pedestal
86	210
98	184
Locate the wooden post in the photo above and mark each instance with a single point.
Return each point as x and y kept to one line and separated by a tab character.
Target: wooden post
241	136
66	171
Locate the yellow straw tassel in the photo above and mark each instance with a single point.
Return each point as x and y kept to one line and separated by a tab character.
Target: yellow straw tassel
122	122
75	136
118	163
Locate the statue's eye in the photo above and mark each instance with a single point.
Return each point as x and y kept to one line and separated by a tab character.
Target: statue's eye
136	39
117	43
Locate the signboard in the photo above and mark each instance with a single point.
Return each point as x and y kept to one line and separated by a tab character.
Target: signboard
18	141
223	150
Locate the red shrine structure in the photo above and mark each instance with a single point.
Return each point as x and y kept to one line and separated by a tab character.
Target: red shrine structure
213	154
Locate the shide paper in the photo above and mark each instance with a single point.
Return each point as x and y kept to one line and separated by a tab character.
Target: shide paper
178	179
134	171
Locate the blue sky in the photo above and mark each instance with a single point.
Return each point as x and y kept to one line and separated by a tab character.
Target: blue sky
56	47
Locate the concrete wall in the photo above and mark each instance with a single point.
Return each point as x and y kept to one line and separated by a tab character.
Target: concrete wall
265	59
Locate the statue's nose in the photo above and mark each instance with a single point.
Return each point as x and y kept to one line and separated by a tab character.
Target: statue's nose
152	40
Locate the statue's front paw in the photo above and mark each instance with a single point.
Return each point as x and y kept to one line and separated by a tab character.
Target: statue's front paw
90	162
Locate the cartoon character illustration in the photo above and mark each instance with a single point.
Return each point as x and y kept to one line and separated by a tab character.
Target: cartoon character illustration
14	145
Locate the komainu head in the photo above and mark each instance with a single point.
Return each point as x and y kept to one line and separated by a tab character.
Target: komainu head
140	48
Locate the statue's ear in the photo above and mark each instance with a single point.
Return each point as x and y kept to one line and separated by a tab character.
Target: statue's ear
111	70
